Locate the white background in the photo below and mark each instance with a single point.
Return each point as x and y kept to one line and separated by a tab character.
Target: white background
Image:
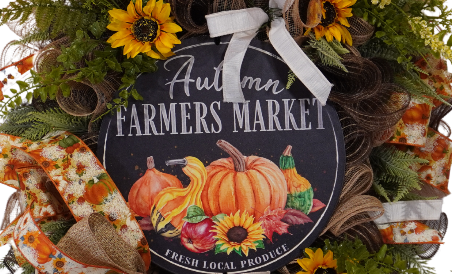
442	261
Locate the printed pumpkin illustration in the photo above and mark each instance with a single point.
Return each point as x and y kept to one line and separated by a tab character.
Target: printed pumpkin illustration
171	204
98	188
255	182
70	143
44	250
440	149
143	192
418	113
300	194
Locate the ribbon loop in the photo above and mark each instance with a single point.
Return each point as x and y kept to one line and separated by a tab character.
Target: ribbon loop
244	24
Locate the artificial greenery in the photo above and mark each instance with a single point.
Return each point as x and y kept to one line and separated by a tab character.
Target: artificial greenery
393	177
25	121
9	262
55	230
354	258
328	52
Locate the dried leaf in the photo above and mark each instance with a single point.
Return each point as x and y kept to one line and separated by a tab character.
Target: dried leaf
316	205
271	222
295	217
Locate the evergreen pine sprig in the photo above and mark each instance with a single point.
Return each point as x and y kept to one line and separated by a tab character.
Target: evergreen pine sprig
26	122
328	52
393	177
55	230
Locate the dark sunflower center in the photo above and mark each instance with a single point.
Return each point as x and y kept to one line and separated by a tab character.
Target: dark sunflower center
325	271
237	234
59	264
31	239
330	14
145	30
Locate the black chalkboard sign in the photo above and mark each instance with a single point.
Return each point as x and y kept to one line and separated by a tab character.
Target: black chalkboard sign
253	213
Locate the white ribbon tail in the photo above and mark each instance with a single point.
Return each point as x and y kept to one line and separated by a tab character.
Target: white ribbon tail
244	24
411	211
298	61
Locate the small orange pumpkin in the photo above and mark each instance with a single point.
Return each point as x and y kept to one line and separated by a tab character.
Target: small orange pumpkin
44	250
419	113
97	189
440	149
143	192
242	183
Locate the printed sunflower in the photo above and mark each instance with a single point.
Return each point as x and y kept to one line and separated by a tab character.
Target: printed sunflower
149	30
317	263
238	233
59	263
31	239
334	21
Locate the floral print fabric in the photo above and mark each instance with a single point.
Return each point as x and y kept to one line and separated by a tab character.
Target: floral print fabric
59	175
412	232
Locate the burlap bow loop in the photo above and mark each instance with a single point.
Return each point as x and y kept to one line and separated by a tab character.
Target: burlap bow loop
244	24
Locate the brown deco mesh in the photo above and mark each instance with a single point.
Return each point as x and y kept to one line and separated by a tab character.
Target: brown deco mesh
301	14
190	14
224	5
360	30
427	251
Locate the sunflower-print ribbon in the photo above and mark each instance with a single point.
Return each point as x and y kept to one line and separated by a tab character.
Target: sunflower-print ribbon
246	23
58	176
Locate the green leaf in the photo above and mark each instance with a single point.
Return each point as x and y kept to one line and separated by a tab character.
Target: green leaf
96	29
388	260
401	264
239	251
65	89
136	95
22	85
449	41
219	250
195	214
382	252
13	91
259	244
29	96
80	34
18	100
219	217
124	94
379	34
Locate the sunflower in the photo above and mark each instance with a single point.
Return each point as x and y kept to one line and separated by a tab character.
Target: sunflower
317	263
149	30
59	263
31	239
334	21
238	232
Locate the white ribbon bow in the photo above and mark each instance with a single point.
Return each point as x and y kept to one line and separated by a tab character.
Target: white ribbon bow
244	24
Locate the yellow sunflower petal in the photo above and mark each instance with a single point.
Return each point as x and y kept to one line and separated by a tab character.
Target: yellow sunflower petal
171	27
139	7
229	221
120	42
168	54
336	32
243	219
245	250
328	36
157	9
318	33
328	257
136	49
318	257
237	218
229	250
119	35
130	46
344	21
164	14
172	37
254	226
343	4
347	35
309	252
131	10
147	47
307	264
121	15
149	7
117	25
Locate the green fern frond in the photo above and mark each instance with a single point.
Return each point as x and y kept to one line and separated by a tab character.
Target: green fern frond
55	230
338	48
26	122
327	52
376	48
291	78
35	36
393	176
408	253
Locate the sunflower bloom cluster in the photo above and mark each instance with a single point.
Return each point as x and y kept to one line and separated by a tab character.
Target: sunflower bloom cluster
334	21
238	232
317	261
148	29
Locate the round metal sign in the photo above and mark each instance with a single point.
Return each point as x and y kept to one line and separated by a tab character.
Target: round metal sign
248	185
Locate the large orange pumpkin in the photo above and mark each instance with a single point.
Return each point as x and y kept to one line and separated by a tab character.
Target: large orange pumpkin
143	192
440	149
242	183
97	190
